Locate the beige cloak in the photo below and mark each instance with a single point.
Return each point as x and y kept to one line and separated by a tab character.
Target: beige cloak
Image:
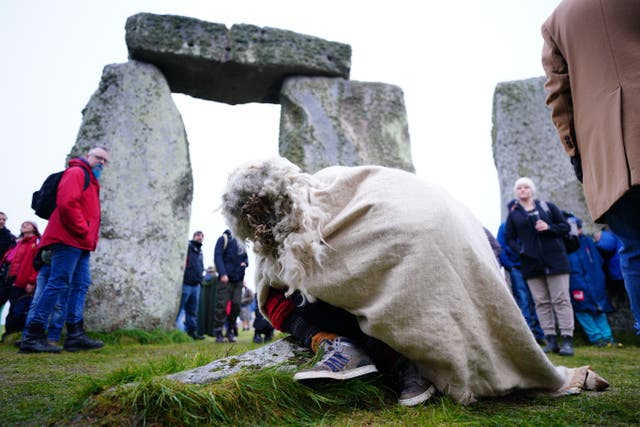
413	264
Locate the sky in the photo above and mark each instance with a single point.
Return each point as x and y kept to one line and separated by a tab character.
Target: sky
447	56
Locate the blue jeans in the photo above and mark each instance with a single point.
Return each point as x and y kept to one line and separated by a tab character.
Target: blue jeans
524	300
624	220
180	319
57	317
189	303
69	279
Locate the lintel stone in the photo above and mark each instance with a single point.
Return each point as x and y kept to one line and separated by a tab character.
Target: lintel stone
244	64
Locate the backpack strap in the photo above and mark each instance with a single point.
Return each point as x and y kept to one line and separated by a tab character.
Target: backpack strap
545	206
87	179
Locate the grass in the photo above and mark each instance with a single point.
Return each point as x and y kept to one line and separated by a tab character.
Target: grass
87	388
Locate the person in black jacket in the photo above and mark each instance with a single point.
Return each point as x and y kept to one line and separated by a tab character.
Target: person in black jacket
534	230
191	285
7	239
231	261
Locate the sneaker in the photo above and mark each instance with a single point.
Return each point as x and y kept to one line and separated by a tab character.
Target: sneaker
613	344
231	337
257	339
414	388
219	337
341	360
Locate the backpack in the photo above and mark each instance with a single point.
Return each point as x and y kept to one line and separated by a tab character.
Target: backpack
43	201
571	240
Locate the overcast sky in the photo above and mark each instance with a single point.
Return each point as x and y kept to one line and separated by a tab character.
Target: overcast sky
447	56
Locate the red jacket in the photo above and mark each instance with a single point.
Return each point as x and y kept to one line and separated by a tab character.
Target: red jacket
21	258
76	219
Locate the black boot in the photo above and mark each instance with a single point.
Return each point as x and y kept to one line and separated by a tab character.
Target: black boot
77	340
567	346
195	335
257	338
34	340
552	344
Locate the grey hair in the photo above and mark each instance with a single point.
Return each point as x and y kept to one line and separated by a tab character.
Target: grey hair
524	181
98	147
269	203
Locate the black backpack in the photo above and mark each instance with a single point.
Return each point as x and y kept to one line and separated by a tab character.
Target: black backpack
43	201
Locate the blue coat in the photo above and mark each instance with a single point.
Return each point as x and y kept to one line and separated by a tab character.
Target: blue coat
609	246
228	260
508	259
587	281
195	264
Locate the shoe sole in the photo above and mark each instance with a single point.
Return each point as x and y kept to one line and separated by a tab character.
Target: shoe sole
422	397
340	376
29	351
74	349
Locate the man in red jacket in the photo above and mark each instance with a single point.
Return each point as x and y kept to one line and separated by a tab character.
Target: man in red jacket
71	235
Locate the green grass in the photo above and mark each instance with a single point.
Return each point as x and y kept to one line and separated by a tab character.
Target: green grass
87	388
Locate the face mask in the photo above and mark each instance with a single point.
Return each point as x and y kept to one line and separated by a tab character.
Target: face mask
97	171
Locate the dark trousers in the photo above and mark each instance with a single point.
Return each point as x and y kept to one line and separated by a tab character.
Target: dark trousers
206	310
20	303
225	292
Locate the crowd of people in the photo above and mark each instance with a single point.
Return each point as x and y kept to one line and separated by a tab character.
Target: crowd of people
381	271
46	277
214	300
556	272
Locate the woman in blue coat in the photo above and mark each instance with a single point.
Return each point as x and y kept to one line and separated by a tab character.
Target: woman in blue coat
588	291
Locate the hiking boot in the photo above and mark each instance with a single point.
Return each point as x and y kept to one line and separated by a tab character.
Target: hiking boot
34	340
257	339
414	388
219	337
77	340
231	337
567	346
552	344
195	335
341	360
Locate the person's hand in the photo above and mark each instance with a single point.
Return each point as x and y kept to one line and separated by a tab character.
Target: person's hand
224	279
541	225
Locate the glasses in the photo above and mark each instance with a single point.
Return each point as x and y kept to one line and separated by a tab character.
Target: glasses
101	159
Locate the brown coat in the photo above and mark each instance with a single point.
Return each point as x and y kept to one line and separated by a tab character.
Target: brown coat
591	56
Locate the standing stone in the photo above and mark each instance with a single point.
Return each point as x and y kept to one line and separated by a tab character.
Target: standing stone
331	121
525	143
244	64
146	193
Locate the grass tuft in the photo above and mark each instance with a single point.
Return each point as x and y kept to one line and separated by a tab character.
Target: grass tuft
272	395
